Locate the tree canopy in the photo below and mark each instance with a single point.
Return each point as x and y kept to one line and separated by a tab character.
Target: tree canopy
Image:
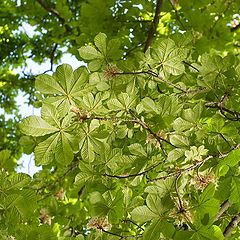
141	140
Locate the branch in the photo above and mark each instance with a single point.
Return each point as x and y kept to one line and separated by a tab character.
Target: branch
132	175
128	220
235	116
180	204
52	56
48	8
155	135
223	209
181	171
231	226
153	74
120	236
190	65
177	16
154	24
82	116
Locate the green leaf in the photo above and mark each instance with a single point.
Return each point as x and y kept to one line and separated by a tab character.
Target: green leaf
180	124
64	152
4	157
169	56
89	53
137	149
149	105
153	232
80	76
28	144
232	159
46	84
36	126
179	140
18	181
143	214
235	191
64	75
154	203
49	114
44	151
100	42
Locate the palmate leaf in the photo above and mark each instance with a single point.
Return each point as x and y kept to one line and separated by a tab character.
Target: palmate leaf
123	102
169	56
103	52
207	204
68	85
36	126
86	175
90	141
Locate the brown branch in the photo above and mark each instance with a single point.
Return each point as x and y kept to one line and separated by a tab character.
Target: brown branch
52	56
146	127
223	209
180	204
154	24
120	236
181	171
190	65
235	116
132	175
52	10
177	16
135	119
231	226
129	220
153	74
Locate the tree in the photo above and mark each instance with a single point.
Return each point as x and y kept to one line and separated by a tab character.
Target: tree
143	141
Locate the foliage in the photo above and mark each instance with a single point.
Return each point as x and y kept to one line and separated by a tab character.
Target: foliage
134	145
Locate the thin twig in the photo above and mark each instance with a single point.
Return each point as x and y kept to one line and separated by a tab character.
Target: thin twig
180	204
235	116
132	175
177	16
155	135
181	171
52	10
129	220
154	24
120	236
190	65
